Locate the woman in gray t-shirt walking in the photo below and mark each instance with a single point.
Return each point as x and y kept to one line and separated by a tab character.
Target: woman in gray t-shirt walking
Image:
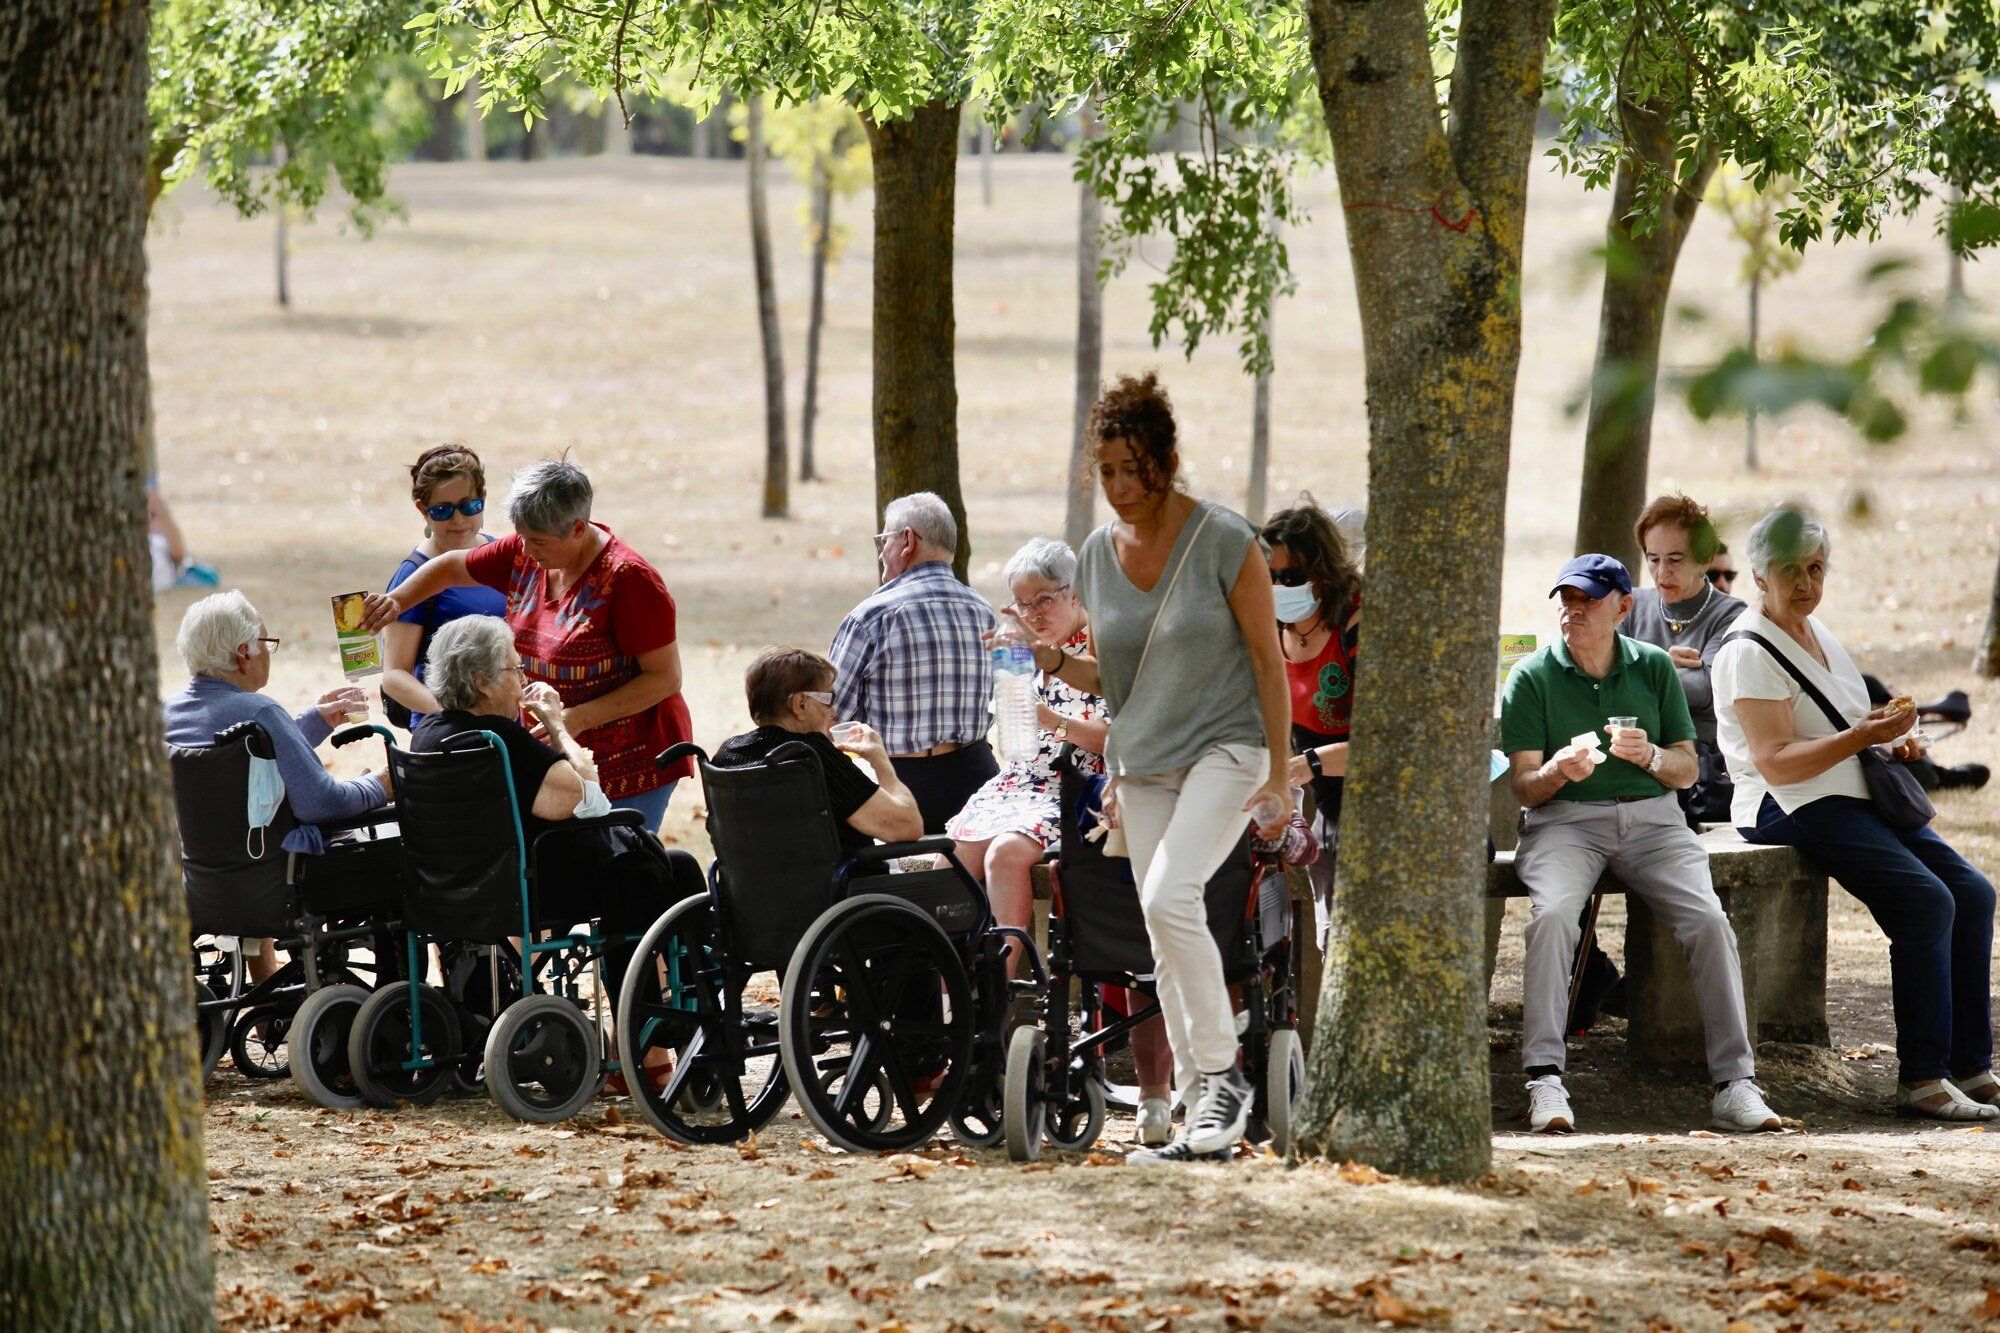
1180	587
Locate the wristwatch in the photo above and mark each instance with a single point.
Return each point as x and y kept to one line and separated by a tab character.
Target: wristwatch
1062	731
1653	764
1312	762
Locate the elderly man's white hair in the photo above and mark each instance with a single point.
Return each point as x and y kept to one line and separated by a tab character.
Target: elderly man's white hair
213	629
1785	534
1042	558
925	514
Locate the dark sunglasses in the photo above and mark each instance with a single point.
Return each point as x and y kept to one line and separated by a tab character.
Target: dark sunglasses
1291	578
439	513
1721	576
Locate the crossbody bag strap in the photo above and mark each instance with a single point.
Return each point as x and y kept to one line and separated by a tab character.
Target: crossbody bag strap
1833	715
1161	608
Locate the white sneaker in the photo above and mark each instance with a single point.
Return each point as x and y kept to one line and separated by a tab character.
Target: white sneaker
1223	1114
1177	1153
1740	1108
1156	1122
1548	1106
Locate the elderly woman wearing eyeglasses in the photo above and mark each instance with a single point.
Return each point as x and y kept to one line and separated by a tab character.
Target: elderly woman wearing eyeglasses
448	488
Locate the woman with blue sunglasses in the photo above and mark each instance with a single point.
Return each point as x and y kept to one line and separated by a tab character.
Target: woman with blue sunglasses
448	486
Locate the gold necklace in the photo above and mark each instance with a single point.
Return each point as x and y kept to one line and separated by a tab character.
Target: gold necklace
1678	626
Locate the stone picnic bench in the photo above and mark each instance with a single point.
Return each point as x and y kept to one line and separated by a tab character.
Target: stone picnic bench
1775	900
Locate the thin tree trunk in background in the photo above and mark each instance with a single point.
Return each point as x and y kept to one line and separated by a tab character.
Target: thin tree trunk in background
1987	660
701	140
1954	263
777	463
985	164
915	335
103	1195
1750	417
284	245
1399	1057
475	121
1080	489
822	245
1255	493
617	134
1618	433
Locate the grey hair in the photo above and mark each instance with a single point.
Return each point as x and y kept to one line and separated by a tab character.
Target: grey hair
1785	534
1043	558
213	629
465	653
551	497
926	515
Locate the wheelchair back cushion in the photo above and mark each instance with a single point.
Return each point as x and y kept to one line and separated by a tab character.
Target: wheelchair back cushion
229	891
776	850
461	842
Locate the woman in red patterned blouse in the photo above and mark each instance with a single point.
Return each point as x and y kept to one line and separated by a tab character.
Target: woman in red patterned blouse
591	618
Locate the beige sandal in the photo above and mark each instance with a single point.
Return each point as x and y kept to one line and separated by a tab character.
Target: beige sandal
1980	1082
1959	1107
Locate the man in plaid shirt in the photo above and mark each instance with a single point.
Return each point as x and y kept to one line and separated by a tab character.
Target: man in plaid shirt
912	662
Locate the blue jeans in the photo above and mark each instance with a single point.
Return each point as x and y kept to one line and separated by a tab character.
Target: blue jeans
1937	912
652	804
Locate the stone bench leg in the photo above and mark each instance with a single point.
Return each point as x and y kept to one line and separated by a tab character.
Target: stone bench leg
1496	913
1790	956
1664	1022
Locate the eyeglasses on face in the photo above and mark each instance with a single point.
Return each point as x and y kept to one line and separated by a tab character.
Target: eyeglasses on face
822	697
270	645
882	539
438	513
1038	606
1291	578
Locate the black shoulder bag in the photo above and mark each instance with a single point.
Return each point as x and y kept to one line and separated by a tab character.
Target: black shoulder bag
1898	796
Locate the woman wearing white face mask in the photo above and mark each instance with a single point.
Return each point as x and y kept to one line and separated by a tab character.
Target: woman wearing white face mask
1316	591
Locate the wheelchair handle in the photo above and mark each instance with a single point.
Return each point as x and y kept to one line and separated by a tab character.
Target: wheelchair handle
678	751
362	733
789	750
250	733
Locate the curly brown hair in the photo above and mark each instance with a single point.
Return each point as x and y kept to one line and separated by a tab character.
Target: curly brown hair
1682	513
1135	409
1318	547
439	464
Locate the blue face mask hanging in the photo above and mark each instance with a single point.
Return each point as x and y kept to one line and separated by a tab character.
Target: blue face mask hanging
267	793
1294	604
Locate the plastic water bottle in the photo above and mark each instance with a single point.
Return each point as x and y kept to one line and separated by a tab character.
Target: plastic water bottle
1015	731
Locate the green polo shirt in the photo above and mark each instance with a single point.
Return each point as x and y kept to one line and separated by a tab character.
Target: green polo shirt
1550	699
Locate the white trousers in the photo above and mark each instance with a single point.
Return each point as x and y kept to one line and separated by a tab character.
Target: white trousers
1180	826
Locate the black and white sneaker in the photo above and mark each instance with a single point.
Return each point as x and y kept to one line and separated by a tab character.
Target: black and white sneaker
1174	1154
1224	1110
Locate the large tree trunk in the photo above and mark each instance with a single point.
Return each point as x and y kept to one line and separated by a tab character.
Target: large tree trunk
822	247
103	1195
1399	1059
1987	661
777	463
916	384
1080	489
1618	434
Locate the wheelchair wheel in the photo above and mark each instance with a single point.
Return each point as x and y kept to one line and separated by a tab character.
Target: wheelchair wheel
1284	1084
978	1121
542	1059
877	997
379	1049
317	1043
257	1043
1074	1125
1024	1110
727	1077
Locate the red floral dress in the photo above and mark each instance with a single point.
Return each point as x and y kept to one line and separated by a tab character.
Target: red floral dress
1022	797
587	643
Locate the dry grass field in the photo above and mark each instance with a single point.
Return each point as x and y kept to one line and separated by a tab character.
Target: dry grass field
605	307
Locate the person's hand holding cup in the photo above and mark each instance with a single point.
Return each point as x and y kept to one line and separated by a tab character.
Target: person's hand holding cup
1628	741
860	740
345	703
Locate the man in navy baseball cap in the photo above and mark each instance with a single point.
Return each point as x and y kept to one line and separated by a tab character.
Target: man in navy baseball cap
1596	575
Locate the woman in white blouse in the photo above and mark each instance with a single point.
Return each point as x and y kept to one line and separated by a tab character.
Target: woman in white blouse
1798	782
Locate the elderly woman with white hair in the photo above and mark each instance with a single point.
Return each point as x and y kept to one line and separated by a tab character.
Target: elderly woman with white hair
228	654
1794	720
615	875
593	620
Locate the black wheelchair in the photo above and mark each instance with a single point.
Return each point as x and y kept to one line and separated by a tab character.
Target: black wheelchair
515	1020
889	1017
1054	1084
320	907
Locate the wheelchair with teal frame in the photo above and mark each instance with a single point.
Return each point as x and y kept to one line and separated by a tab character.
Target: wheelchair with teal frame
476	883
877	1001
327	896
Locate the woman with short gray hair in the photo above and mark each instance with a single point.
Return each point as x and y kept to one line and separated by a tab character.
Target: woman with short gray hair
592	620
1793	717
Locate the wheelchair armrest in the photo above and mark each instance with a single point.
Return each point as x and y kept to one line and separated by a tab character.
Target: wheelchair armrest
895	851
381	814
616	819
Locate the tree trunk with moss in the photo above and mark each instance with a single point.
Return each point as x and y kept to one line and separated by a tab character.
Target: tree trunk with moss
103	1196
1638	276
916	384
1434	214
777	463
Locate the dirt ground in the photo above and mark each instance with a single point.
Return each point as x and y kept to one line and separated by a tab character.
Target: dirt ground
605	306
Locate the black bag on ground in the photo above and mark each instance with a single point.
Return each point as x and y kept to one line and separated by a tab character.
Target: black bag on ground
1898	796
